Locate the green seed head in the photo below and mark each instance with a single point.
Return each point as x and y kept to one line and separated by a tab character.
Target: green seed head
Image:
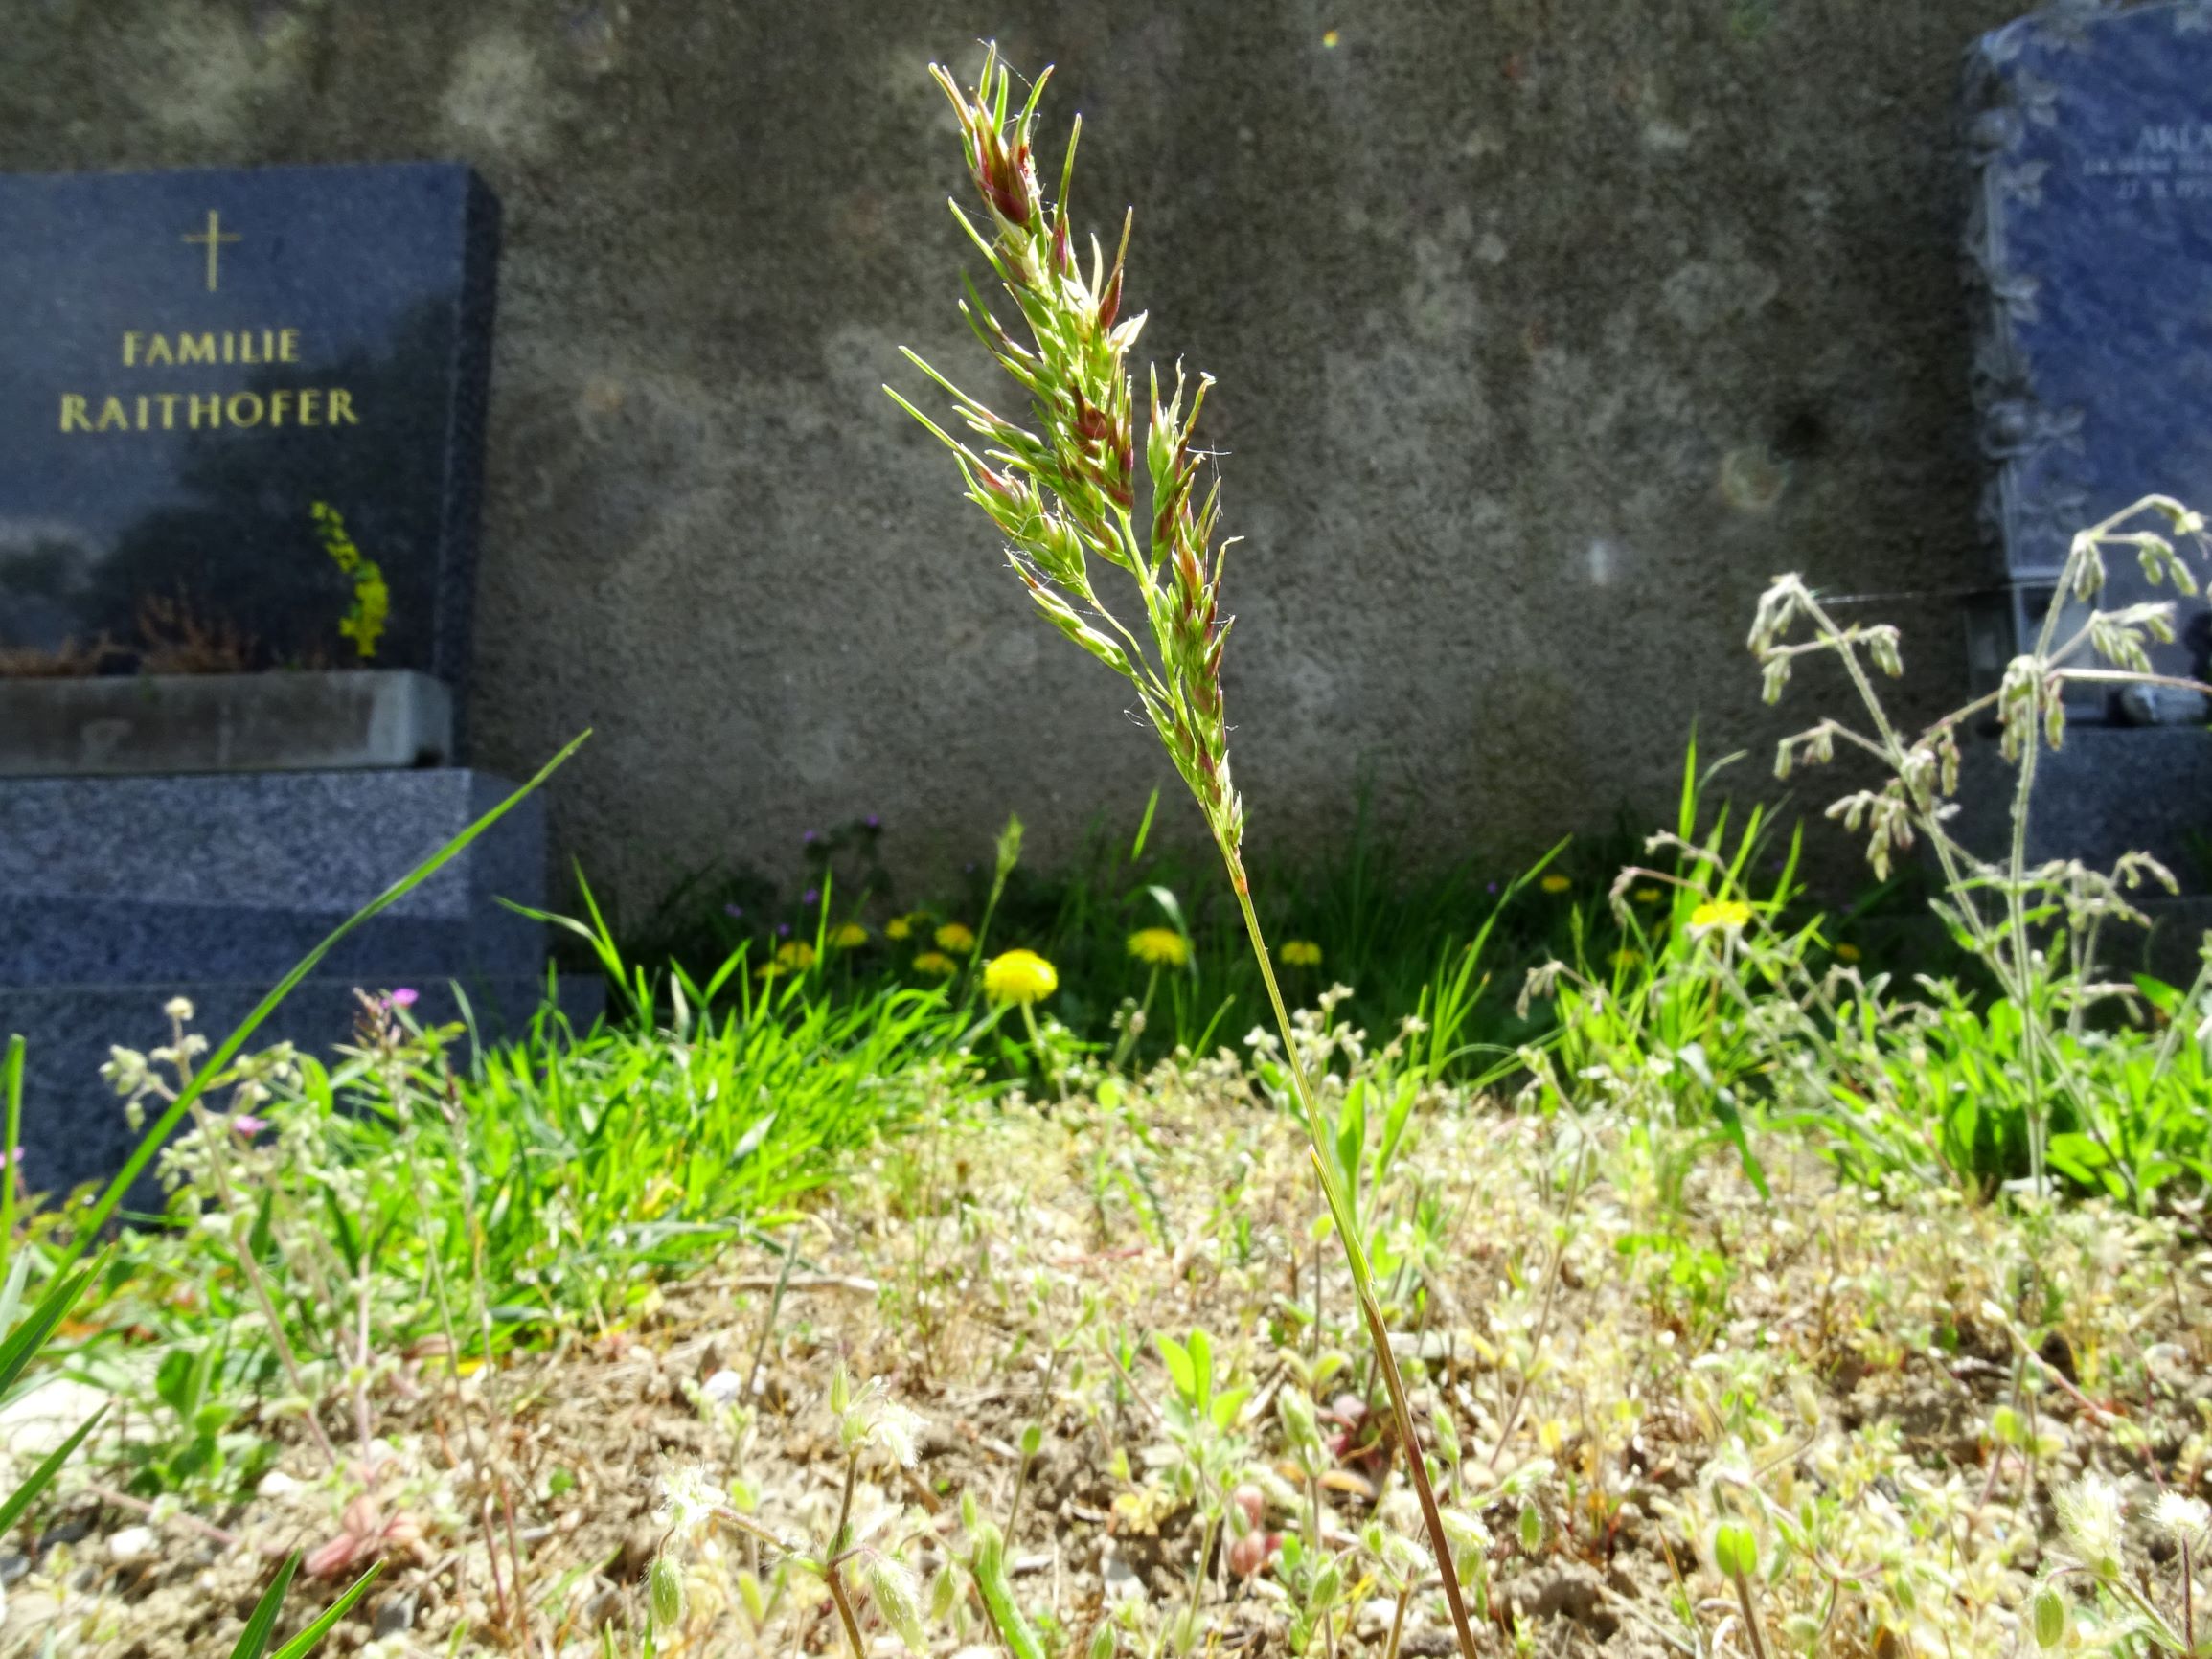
1735	1550
2050	1611
664	1587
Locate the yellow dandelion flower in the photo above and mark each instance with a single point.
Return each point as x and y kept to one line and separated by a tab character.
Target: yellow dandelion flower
1555	882
1160	946
1301	953
850	937
1729	915
1646	896
1019	976
795	953
898	927
936	964
1847	952
956	936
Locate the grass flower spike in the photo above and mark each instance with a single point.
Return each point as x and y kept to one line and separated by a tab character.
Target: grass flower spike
1160	947
1062	491
1019	976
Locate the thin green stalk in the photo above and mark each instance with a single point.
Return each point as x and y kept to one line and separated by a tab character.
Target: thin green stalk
11	1086
1340	1210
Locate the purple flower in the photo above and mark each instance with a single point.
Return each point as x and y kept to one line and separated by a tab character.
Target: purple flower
812	837
783	931
872	822
401	998
735	912
246	1123
813	895
1493	887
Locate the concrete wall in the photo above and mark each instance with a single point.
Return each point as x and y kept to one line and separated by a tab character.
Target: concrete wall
1547	331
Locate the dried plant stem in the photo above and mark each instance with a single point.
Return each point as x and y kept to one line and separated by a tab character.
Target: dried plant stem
1363	1280
1398	1620
1751	1616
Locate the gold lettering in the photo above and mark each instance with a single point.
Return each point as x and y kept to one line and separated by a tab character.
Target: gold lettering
244	409
157	349
196	348
288	346
310	415
111	414
342	407
131	347
142	411
212	405
279	404
168	403
73	415
230	348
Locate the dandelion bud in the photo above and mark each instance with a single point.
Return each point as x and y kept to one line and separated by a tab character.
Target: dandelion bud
1251	1505
1248	1554
664	1587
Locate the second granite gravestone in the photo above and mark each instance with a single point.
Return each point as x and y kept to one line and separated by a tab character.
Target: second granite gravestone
2090	247
2090	239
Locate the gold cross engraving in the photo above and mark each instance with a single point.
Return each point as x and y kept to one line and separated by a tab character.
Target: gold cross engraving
215	236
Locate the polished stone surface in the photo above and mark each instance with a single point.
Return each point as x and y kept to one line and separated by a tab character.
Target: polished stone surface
2107	792
107	880
191	361
2090	236
343	720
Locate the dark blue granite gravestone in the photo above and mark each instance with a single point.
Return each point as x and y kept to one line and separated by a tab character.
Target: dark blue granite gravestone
193	361
190	363
2089	238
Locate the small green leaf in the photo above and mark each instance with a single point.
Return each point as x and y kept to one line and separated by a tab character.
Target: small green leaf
1178	1360
310	1639
254	1639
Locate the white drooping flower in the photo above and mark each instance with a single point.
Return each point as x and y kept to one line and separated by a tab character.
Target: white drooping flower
2090	1511
688	1501
874	1418
2188	1520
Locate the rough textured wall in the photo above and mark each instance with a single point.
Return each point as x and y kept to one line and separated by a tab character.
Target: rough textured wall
1546	331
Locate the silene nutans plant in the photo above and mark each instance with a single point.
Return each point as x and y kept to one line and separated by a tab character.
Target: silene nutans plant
1064	491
